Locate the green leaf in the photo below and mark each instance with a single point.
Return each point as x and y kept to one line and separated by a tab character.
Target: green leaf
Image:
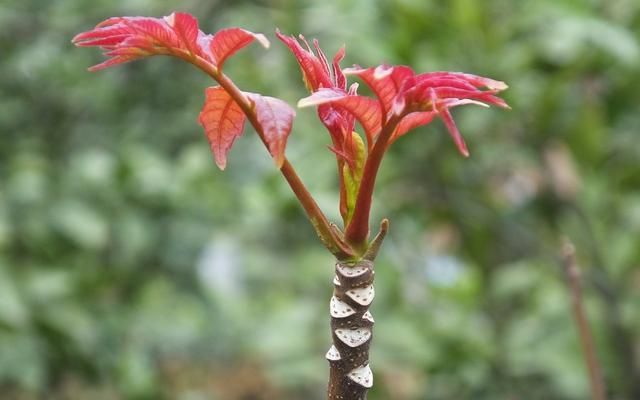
352	175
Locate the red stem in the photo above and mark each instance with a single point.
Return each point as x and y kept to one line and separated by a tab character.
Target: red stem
357	232
314	213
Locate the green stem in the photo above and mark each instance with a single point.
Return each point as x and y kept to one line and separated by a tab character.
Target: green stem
314	213
357	232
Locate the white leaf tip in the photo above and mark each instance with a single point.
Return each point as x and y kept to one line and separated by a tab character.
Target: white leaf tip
498	85
305	102
262	39
382	71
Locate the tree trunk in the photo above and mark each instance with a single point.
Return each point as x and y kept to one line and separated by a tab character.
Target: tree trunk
351	329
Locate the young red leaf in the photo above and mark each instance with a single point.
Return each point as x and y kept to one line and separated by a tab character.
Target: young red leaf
322	96
186	28
321	76
386	82
445	114
226	42
445	92
412	121
276	118
223	121
338	75
365	109
475	80
339	124
129	38
315	72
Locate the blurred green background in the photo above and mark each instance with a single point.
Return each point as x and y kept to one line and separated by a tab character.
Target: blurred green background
131	268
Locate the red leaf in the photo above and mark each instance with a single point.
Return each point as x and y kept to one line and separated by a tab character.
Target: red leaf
424	82
454	132
475	80
223	121
412	121
315	72
228	41
322	96
419	118
340	79
156	29
112	61
365	109
129	38
276	118
186	28
449	92
386	82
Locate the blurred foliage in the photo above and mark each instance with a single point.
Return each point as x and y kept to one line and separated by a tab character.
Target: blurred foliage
131	268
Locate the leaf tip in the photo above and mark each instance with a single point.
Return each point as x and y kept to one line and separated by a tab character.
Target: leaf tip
95	68
498	85
170	19
384	225
262	39
382	71
305	102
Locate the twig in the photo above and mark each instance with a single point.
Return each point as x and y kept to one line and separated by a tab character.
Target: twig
572	272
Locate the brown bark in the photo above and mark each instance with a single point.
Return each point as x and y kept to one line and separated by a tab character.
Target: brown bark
351	329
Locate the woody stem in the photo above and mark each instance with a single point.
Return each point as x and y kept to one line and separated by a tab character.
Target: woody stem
350	376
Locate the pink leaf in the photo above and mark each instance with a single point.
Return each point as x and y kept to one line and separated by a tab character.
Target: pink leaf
450	92
156	29
186	28
111	62
322	96
315	73
475	80
426	93
129	38
340	79
386	82
412	121
226	42
365	109
426	82
276	118
454	132
223	121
